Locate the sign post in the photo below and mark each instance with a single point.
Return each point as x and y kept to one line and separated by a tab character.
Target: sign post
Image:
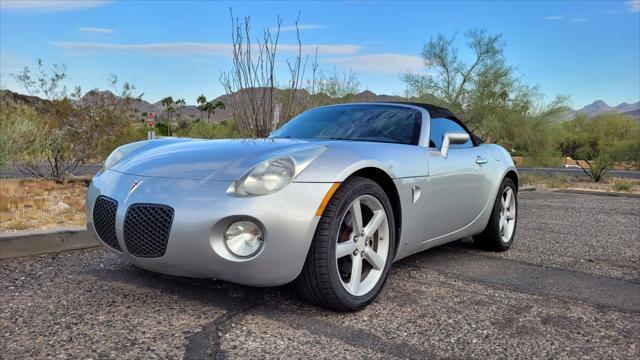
151	134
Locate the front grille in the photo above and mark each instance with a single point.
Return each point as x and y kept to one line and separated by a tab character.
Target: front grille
146	229
104	221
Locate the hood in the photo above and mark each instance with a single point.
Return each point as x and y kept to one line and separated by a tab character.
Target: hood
204	159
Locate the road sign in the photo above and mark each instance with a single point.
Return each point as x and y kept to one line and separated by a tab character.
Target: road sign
151	119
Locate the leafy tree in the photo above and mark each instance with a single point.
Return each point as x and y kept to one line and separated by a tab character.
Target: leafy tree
484	91
600	142
334	88
67	131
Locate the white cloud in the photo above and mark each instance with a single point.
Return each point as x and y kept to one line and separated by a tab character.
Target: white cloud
167	49
323	49
195	48
564	18
96	30
634	5
387	63
50	5
301	27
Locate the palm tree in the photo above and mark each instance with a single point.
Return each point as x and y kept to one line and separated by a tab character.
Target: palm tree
181	103
168	104
210	107
202	101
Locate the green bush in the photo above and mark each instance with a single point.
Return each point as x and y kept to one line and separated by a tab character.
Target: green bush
542	161
162	129
19	135
600	141
621	185
205	130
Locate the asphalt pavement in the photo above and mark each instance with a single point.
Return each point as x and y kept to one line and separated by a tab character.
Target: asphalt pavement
569	288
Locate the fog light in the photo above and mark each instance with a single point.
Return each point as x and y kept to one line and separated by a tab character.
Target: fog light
243	238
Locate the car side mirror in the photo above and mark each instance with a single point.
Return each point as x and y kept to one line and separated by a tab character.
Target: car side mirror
452	138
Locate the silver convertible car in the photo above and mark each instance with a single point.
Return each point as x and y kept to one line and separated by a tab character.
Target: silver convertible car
330	200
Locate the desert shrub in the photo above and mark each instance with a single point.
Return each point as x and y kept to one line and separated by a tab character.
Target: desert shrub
252	79
18	131
601	141
529	179
542	160
552	181
162	129
68	130
205	130
557	181
621	184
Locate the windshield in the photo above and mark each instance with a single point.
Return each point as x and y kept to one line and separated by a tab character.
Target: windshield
381	123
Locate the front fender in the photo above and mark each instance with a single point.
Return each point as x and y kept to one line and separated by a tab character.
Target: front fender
343	159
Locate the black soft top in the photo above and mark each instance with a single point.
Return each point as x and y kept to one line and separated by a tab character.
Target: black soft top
440	112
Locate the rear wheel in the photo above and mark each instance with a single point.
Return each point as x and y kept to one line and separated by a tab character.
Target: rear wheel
501	229
352	249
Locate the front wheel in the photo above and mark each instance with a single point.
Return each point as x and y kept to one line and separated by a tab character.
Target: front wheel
352	249
501	229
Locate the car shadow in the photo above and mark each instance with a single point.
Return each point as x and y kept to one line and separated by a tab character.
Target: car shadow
227	295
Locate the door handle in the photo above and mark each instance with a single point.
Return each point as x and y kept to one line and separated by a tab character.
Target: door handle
481	160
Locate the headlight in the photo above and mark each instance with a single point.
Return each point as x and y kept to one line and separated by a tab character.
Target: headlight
120	153
243	238
274	174
269	176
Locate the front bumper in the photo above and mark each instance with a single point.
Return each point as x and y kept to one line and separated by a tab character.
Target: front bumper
202	211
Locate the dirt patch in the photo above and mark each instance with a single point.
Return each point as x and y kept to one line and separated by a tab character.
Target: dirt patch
41	204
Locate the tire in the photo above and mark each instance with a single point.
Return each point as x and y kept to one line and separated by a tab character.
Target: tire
327	277
493	238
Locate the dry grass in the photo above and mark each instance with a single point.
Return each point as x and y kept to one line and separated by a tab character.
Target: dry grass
41	204
564	182
621	185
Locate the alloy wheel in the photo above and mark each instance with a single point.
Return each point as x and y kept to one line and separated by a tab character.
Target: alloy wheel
507	221
362	245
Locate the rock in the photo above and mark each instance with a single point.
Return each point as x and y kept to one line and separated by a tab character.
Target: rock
60	207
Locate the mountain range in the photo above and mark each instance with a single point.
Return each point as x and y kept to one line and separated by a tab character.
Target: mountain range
192	112
600	107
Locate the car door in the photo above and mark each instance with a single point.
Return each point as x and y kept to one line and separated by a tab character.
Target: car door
456	188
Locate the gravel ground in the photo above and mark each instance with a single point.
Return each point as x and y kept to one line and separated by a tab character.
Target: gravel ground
588	233
570	287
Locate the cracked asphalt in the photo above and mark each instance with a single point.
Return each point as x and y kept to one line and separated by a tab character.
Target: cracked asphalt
569	287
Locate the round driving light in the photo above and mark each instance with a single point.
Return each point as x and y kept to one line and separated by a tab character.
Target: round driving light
243	238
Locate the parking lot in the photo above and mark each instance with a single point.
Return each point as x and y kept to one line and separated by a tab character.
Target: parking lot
570	287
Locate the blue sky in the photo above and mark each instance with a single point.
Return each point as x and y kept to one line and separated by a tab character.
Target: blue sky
585	49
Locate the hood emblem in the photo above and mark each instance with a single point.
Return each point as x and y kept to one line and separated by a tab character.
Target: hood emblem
134	186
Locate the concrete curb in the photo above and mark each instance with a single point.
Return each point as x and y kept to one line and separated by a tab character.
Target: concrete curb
527	188
36	242
601	193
